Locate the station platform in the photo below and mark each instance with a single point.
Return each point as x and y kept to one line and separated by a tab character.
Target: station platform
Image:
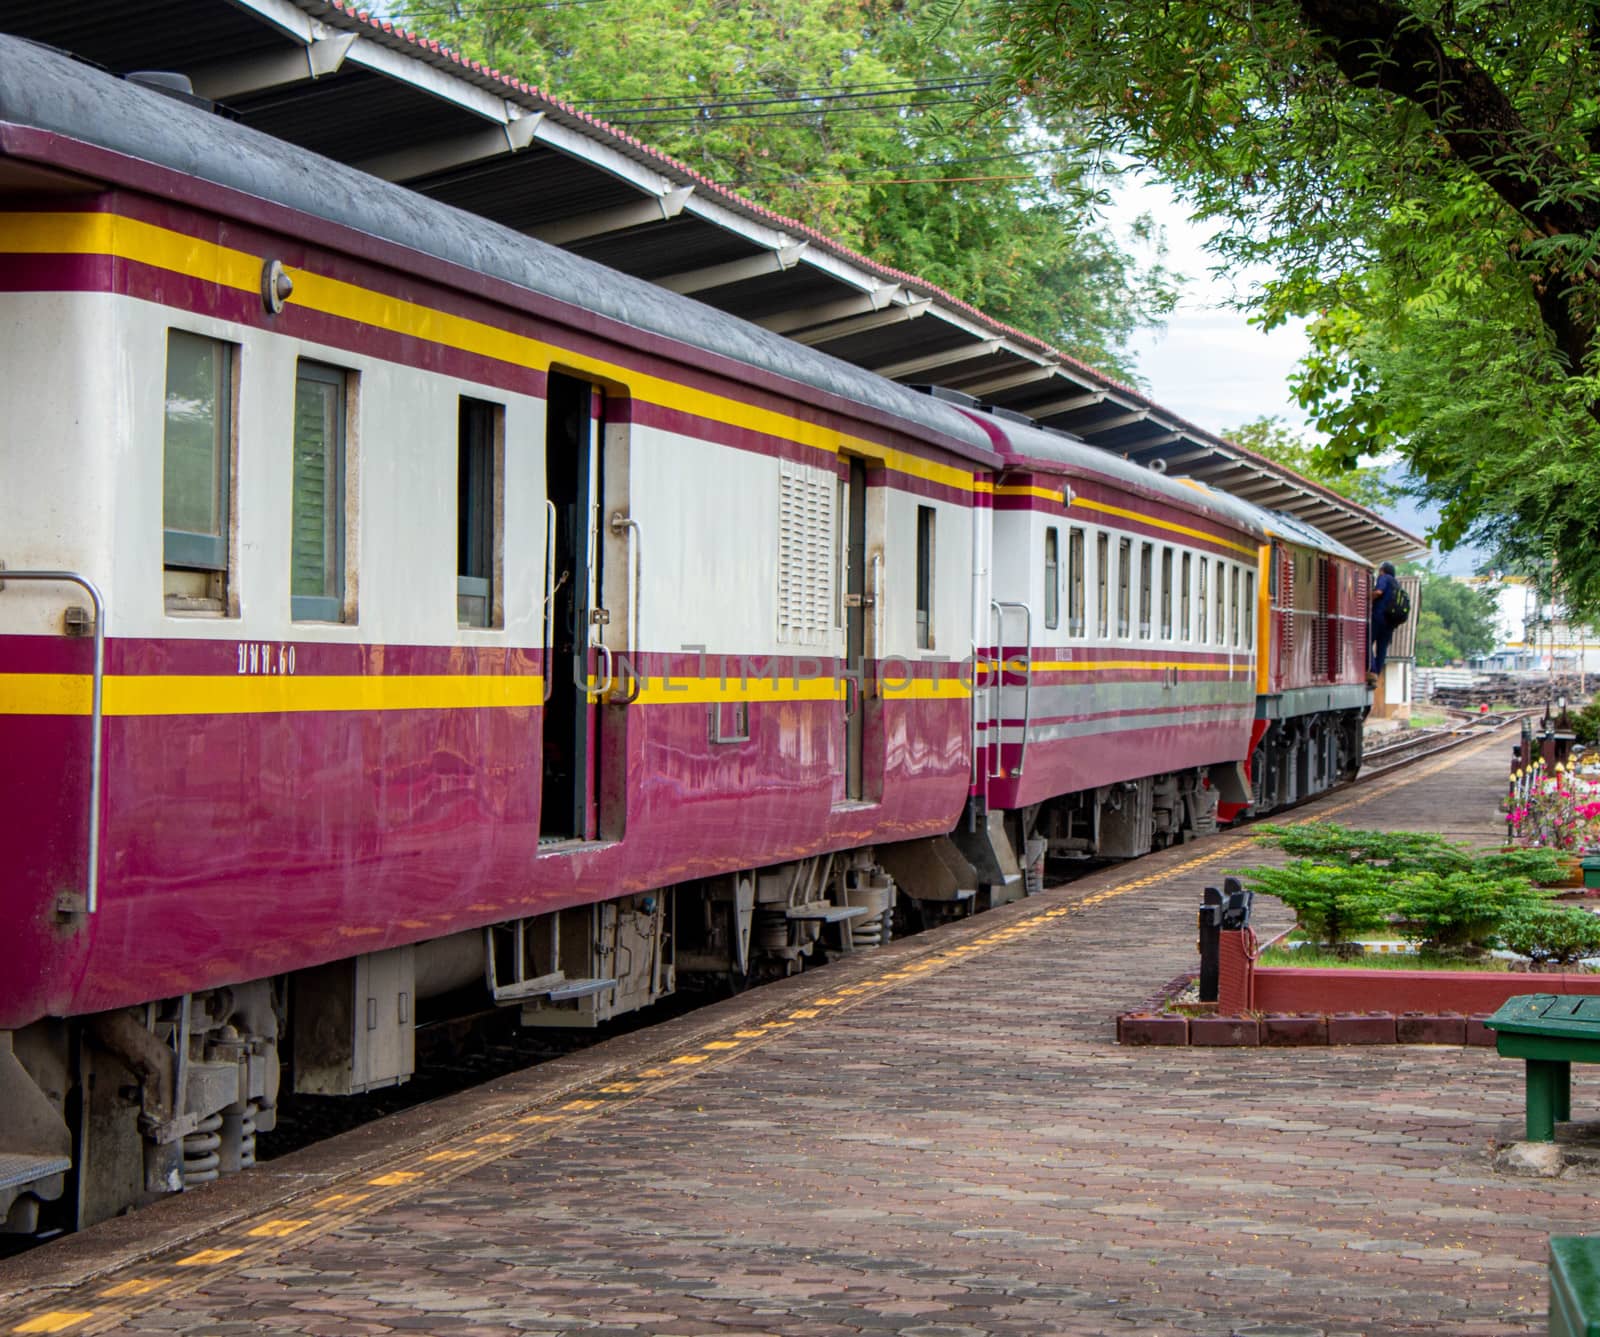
937	1139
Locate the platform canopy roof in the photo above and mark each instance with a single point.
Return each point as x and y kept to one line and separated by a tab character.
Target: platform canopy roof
320	74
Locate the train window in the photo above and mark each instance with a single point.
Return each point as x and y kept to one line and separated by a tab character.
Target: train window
1102	566
1200	599
480	453
1219	622
1146	576
1233	605
197	461
1124	583
316	545
1052	578
1185	583
1075	582
1166	593
1249	609
924	577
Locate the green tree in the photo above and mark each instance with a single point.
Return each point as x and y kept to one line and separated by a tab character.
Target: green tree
1272	437
1420	174
856	118
1454	621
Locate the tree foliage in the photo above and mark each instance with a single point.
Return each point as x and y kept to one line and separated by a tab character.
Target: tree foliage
1423	176
856	118
1365	485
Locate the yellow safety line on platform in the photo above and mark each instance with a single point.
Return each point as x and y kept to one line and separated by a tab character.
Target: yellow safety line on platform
256	1239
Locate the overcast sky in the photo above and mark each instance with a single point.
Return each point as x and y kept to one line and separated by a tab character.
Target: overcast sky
1209	364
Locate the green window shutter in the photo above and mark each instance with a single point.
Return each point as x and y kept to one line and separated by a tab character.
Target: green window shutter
316	541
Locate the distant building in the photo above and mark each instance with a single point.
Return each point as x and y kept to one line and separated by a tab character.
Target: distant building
1531	635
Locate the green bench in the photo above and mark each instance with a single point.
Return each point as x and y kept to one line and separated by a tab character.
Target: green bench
1549	1032
1574	1286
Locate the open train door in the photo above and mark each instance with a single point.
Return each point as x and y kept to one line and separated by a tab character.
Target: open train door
577	665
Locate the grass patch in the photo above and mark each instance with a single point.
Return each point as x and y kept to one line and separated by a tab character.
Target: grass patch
1306	957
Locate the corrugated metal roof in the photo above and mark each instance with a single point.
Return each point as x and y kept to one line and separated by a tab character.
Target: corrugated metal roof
323	75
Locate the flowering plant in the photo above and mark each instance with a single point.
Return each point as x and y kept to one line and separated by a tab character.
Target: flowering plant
1556	808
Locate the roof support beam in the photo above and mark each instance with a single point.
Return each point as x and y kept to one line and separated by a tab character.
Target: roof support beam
735	271
950	357
272	69
874	299
893	314
445	154
1111	424
994	382
1051	409
1154	445
654	209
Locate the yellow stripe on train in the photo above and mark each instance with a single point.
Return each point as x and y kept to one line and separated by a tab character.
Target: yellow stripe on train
146	243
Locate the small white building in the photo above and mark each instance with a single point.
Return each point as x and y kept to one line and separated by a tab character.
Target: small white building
1533	635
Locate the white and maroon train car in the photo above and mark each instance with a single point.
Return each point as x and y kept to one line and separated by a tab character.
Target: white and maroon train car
1131	596
397	606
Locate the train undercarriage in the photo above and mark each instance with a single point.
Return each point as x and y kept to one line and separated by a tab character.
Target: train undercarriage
105	1112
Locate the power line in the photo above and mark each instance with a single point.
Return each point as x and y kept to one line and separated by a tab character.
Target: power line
799	114
839	92
943	162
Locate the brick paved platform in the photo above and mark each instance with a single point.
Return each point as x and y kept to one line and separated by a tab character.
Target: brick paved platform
936	1140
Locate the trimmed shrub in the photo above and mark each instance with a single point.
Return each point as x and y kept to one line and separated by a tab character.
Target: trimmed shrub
1551	934
1458	912
1332	902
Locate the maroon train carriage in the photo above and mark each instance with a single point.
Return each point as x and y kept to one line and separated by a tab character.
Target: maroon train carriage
397	606
1132	595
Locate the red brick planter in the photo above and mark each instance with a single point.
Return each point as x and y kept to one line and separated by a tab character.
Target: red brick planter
1144	1028
1249	987
1417	1028
1283	1029
1478	1033
1224	1031
1356	1028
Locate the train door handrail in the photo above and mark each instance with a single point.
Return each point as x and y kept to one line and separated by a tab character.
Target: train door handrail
998	608
96	713
624	524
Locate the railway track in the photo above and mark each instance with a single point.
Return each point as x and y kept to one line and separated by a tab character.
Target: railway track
1430	742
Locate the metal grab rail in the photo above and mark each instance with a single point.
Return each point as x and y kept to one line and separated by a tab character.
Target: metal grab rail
975	695
877	607
998	607
623	524
96	713
549	598
601	686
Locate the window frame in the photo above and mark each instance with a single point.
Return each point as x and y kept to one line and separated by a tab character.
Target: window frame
489	494
1124	588
1077	621
1147	575
1052	577
325	607
1186	598
183	549
1166	592
1102	552
926	548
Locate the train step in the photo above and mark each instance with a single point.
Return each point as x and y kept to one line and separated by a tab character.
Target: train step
825	911
19	1168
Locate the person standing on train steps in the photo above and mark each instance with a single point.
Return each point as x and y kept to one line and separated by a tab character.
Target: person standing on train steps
1384	592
